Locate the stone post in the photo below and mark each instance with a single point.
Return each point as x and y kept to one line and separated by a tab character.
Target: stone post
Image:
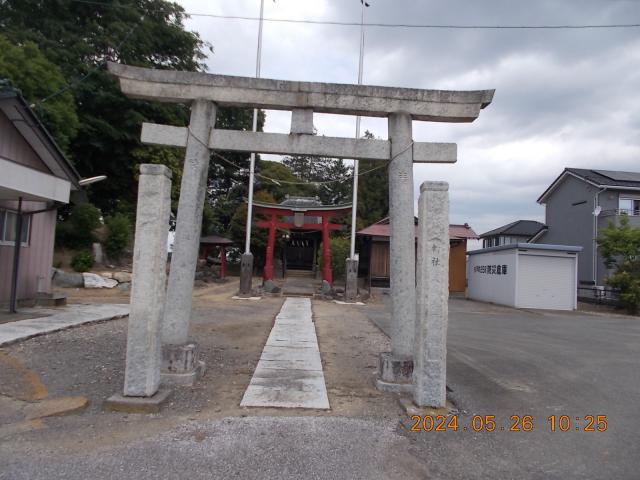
180	357
430	351
246	273
394	369
351	285
142	369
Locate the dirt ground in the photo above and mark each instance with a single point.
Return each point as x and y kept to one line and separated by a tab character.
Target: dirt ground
88	361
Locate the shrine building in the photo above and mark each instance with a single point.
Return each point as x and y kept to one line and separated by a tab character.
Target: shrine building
305	224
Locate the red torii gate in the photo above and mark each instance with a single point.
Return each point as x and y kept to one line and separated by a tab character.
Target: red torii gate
300	209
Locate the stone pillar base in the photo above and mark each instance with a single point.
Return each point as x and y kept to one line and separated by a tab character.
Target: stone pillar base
351	286
180	364
152	404
246	273
394	373
270	287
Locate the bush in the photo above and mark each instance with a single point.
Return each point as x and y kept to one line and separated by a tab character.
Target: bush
340	249
119	232
82	261
620	247
77	230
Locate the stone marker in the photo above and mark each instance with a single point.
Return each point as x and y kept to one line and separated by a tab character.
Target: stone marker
394	369
246	273
351	284
142	371
175	326
430	350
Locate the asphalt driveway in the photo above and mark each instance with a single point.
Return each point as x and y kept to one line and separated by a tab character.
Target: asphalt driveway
504	362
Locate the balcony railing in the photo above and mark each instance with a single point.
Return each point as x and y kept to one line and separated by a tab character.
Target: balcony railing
620	211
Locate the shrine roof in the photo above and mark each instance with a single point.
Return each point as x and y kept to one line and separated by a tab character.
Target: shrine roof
382	229
215	240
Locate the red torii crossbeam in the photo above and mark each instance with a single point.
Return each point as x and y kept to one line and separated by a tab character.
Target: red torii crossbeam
324	212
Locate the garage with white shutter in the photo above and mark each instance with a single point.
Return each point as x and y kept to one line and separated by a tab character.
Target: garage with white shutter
525	275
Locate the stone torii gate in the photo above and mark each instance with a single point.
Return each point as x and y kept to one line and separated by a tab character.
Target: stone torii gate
205	92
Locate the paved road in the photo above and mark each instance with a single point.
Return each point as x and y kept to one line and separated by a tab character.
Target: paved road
504	362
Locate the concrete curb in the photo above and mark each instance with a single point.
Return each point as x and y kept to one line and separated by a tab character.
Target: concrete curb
69	317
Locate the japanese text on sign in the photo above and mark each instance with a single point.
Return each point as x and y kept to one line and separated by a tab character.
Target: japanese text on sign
491	269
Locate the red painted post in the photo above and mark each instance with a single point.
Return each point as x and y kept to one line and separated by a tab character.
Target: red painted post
271	243
223	261
326	251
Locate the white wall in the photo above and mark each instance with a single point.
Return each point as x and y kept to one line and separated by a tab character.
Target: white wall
491	287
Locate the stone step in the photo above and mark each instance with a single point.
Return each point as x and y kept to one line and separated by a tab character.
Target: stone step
299	273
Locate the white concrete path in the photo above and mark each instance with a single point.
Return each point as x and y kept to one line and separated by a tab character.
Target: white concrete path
60	319
289	373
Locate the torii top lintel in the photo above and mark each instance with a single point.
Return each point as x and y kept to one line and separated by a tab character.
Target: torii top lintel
363	100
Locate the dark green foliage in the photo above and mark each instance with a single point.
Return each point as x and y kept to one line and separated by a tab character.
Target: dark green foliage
285	181
78	38
620	247
333	179
373	191
77	230
82	261
119	234
340	249
238	228
27	68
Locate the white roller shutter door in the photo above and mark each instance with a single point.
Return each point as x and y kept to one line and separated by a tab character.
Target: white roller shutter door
546	282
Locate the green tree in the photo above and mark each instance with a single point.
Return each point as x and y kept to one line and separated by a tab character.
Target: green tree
277	179
620	247
119	235
28	69
238	228
340	250
79	38
329	179
77	230
228	178
373	191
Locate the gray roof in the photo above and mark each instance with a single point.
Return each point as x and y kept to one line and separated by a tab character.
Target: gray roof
608	178
525	228
601	178
529	246
292	201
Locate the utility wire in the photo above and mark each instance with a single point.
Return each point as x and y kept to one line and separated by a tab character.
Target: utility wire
387	25
278	181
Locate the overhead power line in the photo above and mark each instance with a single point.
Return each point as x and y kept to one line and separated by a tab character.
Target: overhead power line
388	25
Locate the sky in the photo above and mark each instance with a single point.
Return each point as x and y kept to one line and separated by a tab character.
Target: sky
564	98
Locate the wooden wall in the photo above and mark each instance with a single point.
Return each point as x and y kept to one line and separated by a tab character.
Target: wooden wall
379	263
35	259
458	266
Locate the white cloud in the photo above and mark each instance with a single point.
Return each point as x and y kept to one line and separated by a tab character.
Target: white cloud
563	98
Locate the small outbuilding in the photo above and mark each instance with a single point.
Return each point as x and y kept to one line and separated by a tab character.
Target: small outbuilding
525	275
375	253
35	180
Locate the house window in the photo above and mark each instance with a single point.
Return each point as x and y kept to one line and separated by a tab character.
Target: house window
8	221
629	206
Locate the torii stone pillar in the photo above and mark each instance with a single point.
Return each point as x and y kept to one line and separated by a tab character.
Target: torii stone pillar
395	368
180	363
